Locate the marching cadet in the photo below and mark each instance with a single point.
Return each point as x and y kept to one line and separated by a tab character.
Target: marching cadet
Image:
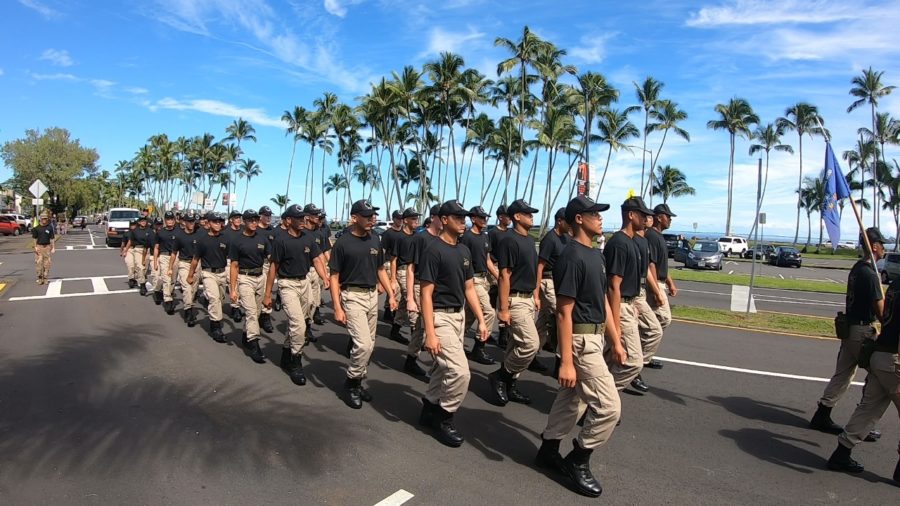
585	382
483	265
182	253
153	276
129	265
649	328
495	235
518	301
325	232
864	306
163	246
882	388
233	229
550	247
44	245
623	271
293	253
247	252
417	246
658	280
312	219
266	228
139	241
401	257
446	276
357	266
211	254
388	238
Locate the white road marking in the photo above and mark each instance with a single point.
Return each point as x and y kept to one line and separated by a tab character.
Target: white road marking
91	235
780	276
396	499
63	296
54	288
751	371
99	285
731	272
86	247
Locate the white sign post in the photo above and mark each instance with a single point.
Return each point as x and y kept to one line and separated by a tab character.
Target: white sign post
38	189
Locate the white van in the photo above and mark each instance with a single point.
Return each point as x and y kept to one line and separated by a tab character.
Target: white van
118	220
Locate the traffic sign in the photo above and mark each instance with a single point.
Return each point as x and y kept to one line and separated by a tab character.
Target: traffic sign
37	202
37	188
762	218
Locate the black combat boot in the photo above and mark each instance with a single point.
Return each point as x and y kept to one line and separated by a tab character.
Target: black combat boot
236	314
317	318
537	366
478	354
132	283
191	317
426	417
310	337
412	367
285	360
577	465
638	385
215	328
447	432
841	460
500	380
169	307
515	395
265	322
387	316
256	353
244	341
143	289
364	392
548	456
396	335
503	337
822	421
295	369
352	394
157	297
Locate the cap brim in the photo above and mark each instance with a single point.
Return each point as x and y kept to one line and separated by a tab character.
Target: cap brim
365	214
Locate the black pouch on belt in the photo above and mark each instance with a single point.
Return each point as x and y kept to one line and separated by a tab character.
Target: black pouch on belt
841	328
865	353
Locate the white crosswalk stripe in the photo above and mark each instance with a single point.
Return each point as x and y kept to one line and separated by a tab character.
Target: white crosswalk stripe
54	289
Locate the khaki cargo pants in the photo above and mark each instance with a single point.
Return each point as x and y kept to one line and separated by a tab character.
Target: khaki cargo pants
631	341
662	310
649	328
361	308
450	370
595	390
316	285
214	289
263	309
546	321
164	282
137	269
251	290
416	325
846	366
189	290
295	301
523	336
42	261
403	317
482	287
879	392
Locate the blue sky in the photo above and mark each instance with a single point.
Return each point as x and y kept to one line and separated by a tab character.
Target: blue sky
115	73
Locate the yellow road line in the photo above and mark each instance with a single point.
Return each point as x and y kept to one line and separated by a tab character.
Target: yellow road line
760	331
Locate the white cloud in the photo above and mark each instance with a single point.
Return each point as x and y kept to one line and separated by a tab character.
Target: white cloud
41	9
758	12
1	72
441	40
57	57
218	108
339	7
54	77
136	90
592	49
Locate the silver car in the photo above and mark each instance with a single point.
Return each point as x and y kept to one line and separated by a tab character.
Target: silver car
704	255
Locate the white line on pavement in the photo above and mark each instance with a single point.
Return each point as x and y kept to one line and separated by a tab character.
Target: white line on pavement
63	296
99	285
750	371
396	499
54	288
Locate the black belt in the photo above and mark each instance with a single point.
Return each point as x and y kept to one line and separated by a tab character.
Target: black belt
523	295
251	272
546	275
358	289
299	278
628	300
861	323
588	328
447	309
218	270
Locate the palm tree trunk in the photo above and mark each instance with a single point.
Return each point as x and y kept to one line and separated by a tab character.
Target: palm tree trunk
644	152
246	191
654	161
799	189
603	178
323	177
821	223
287	190
808	231
488	189
521	129
730	186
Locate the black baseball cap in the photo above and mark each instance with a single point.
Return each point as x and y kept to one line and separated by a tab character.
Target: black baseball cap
293	211
158	221
169	215
410	213
396	215
250	214
874	236
582	204
501	211
363	208
234	214
435	210
479	212
142	218
214	216
312	210
188	217
663	209
452	208
265	211
636	204
560	214
520	206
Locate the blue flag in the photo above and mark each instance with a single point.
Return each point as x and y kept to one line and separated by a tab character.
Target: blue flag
836	189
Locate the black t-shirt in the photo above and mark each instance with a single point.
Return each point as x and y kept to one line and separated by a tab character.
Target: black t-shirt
550	248
863	289
249	251
890	329
165	238
448	267
580	274
294	255
325	236
186	244
403	249
270	232
659	253
212	250
644	259
43	234
419	243
319	238
622	258
517	253
479	246
388	238
141	237
357	260
495	235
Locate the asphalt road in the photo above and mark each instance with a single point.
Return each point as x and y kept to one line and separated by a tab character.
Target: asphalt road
718	296
107	400
804	273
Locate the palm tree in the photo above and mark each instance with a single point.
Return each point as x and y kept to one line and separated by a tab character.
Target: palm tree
812	198
886	131
478	136
802	118
670	182
295	121
239	130
280	201
648	96
614	129
735	117
335	183
596	93
249	169
666	115
767	138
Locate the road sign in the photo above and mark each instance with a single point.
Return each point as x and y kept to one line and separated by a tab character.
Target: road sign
762	218
37	188
695	226
37	202
209	205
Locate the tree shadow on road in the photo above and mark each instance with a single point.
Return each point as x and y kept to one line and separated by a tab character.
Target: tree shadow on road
754	409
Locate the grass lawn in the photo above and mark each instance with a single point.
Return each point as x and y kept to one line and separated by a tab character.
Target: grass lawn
758	282
774	322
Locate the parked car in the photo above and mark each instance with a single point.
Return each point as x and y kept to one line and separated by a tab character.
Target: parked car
23	221
730	245
702	255
889	267
673	241
762	251
9	226
79	221
785	256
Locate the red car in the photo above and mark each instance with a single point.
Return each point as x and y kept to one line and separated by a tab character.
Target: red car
8	226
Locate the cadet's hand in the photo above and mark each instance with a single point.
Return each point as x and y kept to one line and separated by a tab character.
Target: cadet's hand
396	288
121	253
52	250
619	354
537	303
326	283
673	291
393	304
483	332
411	305
567	375
433	345
267	300
155	265
190	280
503	316
380	289
340	317
234	297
